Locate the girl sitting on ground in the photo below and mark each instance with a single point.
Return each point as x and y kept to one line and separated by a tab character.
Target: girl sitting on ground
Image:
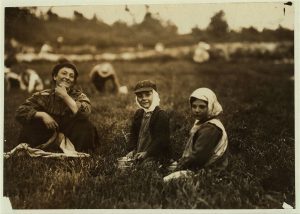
149	134
208	141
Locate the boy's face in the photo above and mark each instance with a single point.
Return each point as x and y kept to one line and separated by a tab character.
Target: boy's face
65	77
145	98
200	110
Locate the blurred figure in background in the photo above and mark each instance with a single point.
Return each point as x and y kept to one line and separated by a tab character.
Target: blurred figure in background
201	52
11	79
61	110
101	74
30	81
59	42
24	78
46	48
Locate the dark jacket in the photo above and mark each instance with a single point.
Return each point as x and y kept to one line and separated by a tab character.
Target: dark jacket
201	147
159	131
48	102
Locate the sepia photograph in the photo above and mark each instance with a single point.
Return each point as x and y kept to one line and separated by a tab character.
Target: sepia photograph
140	105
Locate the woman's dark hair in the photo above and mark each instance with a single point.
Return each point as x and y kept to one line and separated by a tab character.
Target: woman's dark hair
59	66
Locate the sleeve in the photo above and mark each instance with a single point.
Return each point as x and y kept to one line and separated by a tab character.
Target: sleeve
27	110
203	147
84	105
161	135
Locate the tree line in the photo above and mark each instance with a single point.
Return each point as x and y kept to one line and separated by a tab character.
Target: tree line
26	27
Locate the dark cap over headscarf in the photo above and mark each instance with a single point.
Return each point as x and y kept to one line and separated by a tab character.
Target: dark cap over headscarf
64	65
145	85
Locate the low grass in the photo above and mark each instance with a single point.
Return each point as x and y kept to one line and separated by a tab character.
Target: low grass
258	102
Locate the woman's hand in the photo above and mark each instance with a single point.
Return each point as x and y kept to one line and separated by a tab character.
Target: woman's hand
49	122
61	91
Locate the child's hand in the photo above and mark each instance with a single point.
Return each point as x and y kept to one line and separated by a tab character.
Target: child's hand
130	154
173	166
140	155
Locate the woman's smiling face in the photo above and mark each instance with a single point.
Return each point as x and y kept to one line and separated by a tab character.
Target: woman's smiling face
65	77
145	98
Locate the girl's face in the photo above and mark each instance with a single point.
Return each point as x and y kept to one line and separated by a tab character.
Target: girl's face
145	98
65	77
200	110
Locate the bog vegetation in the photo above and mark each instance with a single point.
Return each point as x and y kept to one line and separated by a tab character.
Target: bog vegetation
258	101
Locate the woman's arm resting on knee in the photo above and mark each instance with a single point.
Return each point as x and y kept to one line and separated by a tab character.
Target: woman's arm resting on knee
47	119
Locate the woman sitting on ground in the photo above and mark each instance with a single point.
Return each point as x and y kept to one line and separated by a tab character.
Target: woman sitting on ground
62	109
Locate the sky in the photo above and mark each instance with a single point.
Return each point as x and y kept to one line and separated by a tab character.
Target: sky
188	15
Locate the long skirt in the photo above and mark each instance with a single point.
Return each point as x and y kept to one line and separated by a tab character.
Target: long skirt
81	132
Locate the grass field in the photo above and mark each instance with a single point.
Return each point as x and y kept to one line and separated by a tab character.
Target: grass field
258	102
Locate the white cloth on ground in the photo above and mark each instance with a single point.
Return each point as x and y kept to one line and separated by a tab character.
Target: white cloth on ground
65	145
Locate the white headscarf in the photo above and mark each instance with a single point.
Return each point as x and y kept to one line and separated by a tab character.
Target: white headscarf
155	102
214	107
